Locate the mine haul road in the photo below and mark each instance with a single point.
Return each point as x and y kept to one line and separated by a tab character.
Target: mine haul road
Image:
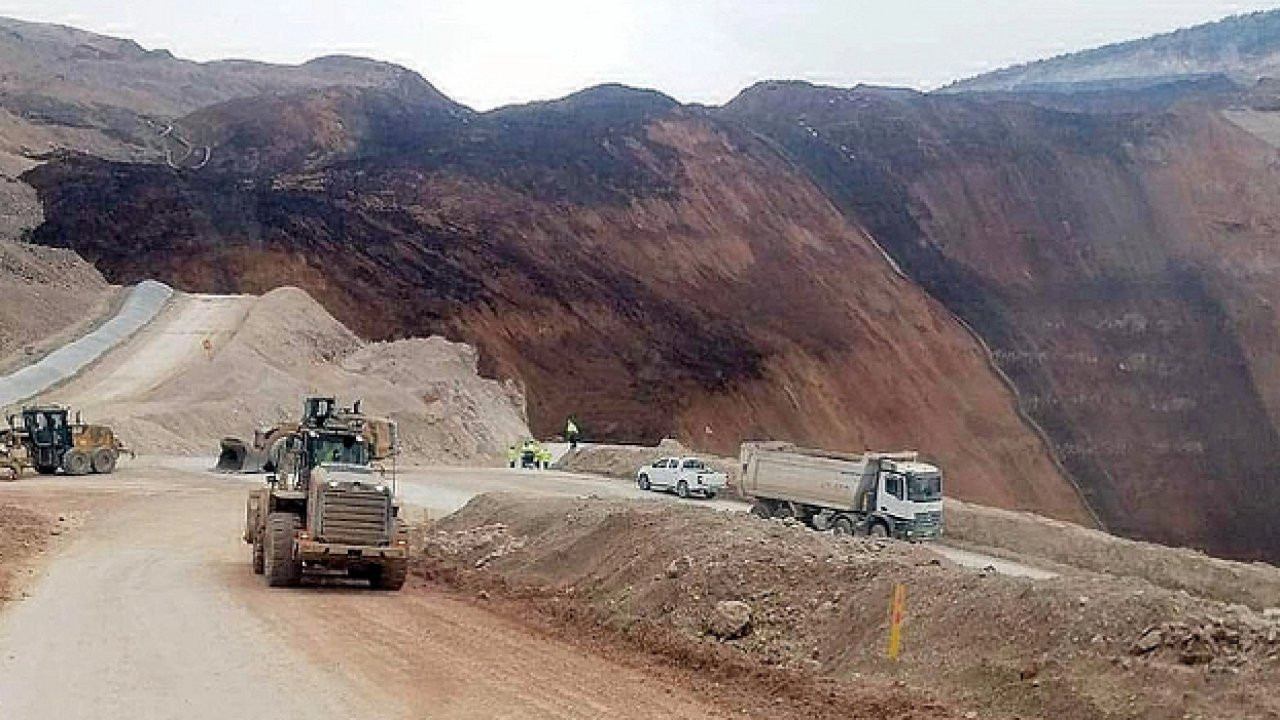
148	609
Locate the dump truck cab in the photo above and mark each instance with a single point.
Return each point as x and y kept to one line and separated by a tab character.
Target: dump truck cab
330	509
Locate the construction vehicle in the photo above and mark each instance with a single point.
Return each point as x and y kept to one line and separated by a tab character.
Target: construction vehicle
329	509
883	494
45	438
264	453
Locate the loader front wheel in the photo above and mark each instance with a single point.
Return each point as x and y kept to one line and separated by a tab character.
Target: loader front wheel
104	460
76	462
282	568
390	576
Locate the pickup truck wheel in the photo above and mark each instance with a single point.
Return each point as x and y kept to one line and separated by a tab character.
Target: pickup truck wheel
281	567
711	494
842	526
682	489
643	482
879	530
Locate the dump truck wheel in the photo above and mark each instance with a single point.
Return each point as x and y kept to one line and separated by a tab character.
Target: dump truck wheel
761	510
878	530
643	482
104	460
76	462
842	526
682	489
259	557
281	567
391	576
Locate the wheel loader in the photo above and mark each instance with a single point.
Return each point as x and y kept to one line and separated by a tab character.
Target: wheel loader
48	440
263	453
329	509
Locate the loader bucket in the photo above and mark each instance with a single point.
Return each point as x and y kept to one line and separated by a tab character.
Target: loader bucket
235	457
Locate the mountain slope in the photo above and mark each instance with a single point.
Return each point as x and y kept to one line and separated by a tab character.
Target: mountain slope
1244	48
643	267
1120	266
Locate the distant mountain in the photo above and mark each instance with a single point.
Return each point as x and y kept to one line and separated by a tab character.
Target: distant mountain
1244	48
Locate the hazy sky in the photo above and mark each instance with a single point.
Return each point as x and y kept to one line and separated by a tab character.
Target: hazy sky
492	52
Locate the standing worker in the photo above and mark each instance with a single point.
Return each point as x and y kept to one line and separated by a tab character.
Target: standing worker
571	434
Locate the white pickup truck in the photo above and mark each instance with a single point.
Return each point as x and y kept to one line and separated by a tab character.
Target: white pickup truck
684	475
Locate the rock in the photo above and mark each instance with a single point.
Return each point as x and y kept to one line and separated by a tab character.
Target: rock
679	566
730	620
483	594
1150	640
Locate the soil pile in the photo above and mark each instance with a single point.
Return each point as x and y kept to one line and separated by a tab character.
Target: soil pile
286	347
49	295
1085	646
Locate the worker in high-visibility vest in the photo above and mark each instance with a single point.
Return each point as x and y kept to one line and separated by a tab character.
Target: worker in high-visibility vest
513	455
571	434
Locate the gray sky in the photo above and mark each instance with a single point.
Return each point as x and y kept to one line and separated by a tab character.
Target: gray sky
486	53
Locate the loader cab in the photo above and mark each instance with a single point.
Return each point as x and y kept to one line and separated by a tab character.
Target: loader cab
47	426
316	409
48	430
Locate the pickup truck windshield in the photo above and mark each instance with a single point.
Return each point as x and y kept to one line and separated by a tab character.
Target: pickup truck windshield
924	488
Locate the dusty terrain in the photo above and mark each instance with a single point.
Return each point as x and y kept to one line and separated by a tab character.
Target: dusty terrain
213	366
1077	646
158	537
50	296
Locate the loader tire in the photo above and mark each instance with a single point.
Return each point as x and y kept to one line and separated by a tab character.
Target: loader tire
259	557
390	576
104	461
281	567
76	462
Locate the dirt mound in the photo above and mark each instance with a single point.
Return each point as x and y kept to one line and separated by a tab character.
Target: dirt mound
1084	646
286	347
49	295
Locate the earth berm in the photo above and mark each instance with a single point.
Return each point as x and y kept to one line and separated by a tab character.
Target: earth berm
652	574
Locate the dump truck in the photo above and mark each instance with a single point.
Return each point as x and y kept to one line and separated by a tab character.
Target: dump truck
884	494
329	509
263	453
47	439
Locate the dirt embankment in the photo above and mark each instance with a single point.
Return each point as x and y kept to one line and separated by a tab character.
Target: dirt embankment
1084	646
622	461
1025	536
50	296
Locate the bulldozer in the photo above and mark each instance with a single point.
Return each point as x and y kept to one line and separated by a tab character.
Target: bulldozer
264	452
329	509
45	438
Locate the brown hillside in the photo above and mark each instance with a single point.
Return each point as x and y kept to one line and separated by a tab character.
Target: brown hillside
1118	265
648	269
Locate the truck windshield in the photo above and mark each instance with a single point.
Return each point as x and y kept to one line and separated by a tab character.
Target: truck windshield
924	488
347	450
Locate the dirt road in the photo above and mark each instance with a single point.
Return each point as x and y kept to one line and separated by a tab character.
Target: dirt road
152	612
